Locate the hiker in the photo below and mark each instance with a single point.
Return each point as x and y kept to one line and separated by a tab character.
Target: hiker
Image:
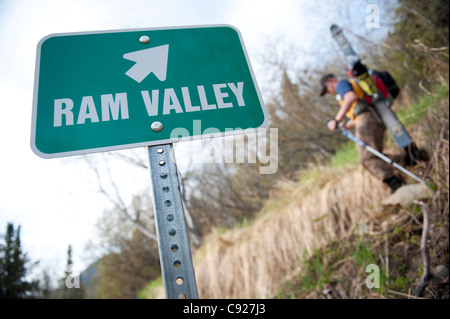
368	128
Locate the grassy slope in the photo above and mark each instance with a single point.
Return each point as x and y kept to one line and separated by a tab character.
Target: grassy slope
314	238
339	269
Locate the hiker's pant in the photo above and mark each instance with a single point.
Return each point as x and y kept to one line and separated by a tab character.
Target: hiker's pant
372	133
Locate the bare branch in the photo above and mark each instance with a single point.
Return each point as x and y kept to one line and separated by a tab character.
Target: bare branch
137	161
118	202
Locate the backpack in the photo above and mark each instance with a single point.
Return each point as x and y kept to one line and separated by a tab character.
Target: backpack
389	81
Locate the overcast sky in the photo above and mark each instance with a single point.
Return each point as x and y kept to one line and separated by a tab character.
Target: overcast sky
55	200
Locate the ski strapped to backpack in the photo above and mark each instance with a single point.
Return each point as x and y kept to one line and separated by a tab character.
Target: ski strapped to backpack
367	83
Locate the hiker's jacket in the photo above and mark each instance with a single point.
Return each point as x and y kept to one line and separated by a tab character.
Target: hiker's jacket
364	101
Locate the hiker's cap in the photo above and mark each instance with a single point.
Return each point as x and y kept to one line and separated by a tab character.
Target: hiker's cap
323	82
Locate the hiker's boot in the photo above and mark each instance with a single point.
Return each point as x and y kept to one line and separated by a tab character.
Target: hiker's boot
415	155
394	183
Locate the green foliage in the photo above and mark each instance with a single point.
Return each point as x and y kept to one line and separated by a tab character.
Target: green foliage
340	264
400	284
150	290
346	154
315	272
418	110
426	21
363	253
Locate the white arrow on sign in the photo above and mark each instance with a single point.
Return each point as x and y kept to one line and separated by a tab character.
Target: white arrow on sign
148	61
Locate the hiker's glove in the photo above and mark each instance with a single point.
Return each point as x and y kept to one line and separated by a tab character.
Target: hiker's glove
333	125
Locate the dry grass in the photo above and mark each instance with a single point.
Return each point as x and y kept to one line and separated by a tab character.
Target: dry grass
251	262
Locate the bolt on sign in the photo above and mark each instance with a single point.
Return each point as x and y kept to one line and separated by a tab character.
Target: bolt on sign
110	90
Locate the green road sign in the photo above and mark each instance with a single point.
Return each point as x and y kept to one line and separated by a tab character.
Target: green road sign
110	90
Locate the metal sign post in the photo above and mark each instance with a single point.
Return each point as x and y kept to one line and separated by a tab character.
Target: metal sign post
174	250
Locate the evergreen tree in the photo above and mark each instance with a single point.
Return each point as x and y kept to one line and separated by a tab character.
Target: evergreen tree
12	267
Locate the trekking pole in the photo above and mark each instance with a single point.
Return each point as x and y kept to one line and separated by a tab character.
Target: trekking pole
349	135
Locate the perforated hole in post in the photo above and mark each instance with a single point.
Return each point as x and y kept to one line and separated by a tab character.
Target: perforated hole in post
171	230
